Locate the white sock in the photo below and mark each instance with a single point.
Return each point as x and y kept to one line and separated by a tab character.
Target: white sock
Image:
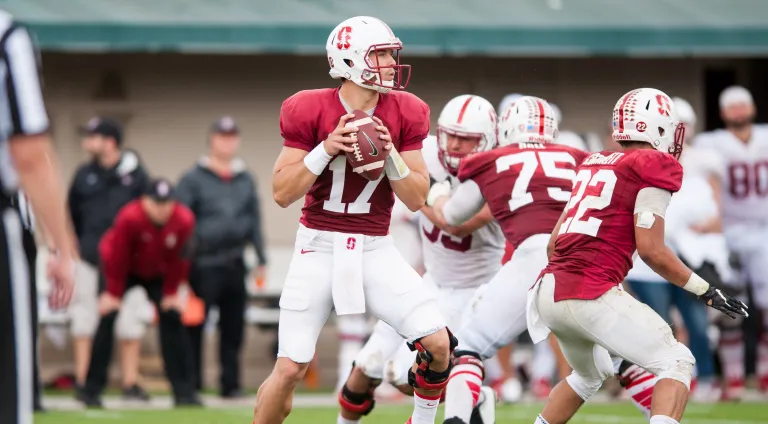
342	420
424	409
540	420
463	391
662	419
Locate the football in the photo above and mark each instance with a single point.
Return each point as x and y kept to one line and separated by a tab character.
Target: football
369	155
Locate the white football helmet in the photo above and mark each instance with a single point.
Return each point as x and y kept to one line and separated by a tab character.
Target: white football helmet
350	45
465	116
528	120
648	115
685	111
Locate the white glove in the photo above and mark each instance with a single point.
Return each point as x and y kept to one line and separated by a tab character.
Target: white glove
395	167
441	189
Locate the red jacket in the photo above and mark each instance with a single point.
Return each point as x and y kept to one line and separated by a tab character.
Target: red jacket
136	247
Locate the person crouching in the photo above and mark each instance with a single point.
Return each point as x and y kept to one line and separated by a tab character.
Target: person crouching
148	245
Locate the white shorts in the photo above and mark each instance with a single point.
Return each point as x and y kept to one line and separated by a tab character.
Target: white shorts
750	244
83	310
590	331
497	315
386	355
394	293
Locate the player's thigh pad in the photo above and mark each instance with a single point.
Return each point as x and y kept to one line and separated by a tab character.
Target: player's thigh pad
84	308
496	315
136	312
379	349
453	303
625	326
395	293
306	301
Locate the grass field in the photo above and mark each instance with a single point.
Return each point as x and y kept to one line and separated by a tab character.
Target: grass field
751	413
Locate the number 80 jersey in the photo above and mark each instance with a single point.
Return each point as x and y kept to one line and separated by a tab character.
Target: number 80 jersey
596	242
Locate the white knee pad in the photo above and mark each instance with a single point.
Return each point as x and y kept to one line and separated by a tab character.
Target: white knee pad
136	312
587	386
679	366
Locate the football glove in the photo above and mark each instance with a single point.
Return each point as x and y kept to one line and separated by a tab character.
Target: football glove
724	303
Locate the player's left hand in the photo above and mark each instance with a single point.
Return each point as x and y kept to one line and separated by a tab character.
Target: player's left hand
385	136
724	303
171	301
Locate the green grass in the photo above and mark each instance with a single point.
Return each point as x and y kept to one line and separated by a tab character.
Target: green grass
753	413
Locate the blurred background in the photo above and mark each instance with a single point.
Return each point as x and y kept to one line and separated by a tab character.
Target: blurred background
166	69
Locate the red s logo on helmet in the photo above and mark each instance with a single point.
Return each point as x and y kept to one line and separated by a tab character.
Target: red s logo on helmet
342	40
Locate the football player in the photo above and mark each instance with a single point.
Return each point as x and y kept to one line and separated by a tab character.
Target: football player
617	207
457	259
526	183
343	257
743	146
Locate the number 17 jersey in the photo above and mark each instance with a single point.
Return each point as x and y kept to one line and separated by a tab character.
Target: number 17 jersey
596	243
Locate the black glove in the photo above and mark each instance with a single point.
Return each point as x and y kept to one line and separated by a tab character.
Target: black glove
724	303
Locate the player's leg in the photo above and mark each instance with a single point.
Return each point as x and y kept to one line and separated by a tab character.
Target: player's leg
83	318
495	318
637	382
356	395
395	293
131	326
353	329
632	330
305	304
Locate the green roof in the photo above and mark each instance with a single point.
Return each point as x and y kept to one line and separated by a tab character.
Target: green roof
498	27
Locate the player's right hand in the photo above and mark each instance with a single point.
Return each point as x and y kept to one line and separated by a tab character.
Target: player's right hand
340	140
724	303
108	303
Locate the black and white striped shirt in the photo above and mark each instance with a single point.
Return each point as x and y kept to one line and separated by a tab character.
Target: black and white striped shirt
22	110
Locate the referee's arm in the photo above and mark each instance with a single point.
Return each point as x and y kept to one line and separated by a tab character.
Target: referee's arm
29	143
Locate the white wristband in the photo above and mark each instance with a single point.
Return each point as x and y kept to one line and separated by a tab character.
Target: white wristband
395	167
317	159
696	285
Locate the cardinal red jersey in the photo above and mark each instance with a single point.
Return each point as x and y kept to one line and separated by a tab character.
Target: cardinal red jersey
526	185
596	243
340	200
137	247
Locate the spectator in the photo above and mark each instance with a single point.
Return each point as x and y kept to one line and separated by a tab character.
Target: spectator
149	246
101	187
222	194
693	232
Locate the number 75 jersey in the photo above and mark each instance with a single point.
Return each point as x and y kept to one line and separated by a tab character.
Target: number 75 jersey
596	243
526	185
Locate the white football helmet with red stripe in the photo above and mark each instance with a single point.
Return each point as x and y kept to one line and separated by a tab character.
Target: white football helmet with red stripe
528	120
648	115
467	117
349	49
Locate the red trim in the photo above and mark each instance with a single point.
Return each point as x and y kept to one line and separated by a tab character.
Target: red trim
452	376
427	397
463	109
641	380
541	116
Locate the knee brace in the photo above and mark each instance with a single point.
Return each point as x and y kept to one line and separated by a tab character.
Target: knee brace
467	359
425	378
584	387
358	403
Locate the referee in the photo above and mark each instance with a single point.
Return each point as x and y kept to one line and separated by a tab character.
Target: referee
27	160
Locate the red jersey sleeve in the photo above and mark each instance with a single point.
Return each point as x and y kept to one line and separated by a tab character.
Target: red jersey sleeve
296	122
115	251
474	165
579	156
658	169
415	129
178	259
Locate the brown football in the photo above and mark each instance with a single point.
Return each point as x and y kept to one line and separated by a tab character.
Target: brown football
369	155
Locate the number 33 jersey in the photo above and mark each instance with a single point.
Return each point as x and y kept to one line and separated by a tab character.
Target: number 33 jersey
596	243
525	185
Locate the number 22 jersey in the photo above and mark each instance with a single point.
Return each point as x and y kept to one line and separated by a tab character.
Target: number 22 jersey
596	243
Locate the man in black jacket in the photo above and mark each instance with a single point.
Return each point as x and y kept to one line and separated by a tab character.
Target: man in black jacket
222	194
99	189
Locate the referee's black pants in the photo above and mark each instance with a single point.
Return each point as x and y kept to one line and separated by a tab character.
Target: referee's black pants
30	250
224	286
16	324
174	346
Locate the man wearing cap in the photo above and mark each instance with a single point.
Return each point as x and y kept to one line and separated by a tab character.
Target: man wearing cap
148	245
743	146
222	194
112	178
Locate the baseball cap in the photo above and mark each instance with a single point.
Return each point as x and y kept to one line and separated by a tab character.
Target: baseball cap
225	125
103	126
733	95
160	190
